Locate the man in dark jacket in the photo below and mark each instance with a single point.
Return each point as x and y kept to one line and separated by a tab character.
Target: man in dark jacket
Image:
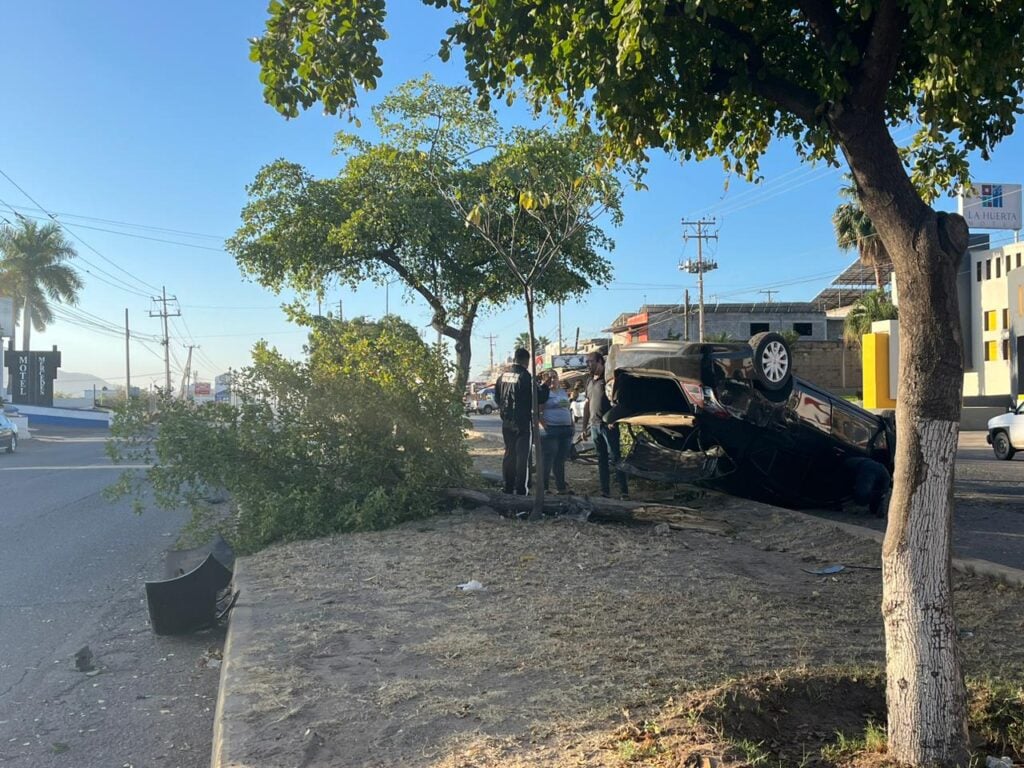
513	393
605	436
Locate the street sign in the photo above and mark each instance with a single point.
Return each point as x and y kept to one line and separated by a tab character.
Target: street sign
991	206
569	361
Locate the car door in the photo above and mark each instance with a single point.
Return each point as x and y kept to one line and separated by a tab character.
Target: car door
1017	428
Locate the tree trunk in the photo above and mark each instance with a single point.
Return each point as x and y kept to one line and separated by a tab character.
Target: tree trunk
925	689
463	348
463	355
26	323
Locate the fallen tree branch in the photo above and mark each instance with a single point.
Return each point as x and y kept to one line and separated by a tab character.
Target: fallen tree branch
594	508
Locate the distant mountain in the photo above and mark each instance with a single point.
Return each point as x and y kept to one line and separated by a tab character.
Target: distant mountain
75	384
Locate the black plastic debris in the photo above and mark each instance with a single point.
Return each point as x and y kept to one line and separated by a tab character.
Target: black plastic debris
178	562
187	599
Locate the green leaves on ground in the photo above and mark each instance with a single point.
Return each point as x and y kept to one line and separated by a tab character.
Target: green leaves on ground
364	433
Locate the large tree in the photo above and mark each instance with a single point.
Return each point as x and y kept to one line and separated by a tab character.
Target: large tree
389	213
854	230
34	272
724	78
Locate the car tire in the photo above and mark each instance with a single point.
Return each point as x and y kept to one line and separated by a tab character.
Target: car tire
488	410
13	445
1001	446
773	362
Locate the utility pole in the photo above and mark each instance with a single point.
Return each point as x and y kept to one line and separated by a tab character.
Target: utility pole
700	266
686	315
769	292
164	314
341	310
127	359
559	327
186	376
490	340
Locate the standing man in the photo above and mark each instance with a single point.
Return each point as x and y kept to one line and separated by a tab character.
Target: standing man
605	436
514	392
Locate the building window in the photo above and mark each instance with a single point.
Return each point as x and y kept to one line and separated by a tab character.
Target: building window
758	328
1007	263
804	329
979	271
990	320
1006	318
1020	301
1018	260
991	351
999	267
988	269
1006	349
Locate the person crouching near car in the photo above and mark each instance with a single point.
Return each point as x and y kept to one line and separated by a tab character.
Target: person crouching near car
514	394
605	436
556	419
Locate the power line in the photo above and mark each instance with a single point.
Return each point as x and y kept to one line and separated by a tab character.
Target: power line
121	285
79	239
127	234
167	230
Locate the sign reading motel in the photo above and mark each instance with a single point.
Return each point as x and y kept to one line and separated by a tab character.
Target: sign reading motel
991	206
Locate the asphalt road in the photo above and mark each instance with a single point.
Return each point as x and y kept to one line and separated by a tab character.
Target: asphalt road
72	567
988	520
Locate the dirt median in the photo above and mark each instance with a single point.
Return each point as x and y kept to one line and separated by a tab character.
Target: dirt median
365	653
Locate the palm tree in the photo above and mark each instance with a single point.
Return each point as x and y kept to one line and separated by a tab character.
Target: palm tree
866	310
523	340
33	272
854	229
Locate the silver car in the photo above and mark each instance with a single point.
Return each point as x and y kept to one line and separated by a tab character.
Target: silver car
8	434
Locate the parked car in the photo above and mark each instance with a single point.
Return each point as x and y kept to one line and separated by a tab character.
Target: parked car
1006	433
733	416
8	434
481	402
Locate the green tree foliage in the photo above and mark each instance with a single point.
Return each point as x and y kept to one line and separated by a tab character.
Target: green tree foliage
34	272
389	214
723	78
854	230
866	310
364	433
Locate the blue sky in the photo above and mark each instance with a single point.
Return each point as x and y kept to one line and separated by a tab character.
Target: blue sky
148	119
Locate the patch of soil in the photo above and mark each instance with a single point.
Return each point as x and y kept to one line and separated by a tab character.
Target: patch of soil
791	717
590	645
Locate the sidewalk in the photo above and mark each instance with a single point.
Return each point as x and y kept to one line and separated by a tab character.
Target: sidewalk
360	651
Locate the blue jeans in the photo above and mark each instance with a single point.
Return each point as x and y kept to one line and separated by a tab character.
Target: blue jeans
607	445
556	440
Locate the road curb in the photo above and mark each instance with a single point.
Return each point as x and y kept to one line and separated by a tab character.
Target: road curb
239	630
968	565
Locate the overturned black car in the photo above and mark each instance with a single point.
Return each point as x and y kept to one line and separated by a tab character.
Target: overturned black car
733	416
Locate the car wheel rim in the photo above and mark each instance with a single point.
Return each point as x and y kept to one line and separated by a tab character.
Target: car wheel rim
775	362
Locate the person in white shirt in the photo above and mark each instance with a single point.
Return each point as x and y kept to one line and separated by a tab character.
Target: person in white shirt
556	419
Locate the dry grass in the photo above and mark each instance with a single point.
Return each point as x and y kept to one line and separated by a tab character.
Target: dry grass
367	644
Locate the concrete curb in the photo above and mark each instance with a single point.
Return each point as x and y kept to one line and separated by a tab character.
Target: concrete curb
968	565
239	629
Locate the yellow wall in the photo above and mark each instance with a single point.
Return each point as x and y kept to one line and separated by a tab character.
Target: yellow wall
875	352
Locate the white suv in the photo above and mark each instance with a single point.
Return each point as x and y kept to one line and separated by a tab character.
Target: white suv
1006	433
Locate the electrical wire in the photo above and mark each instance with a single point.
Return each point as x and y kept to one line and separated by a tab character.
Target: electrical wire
127	286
